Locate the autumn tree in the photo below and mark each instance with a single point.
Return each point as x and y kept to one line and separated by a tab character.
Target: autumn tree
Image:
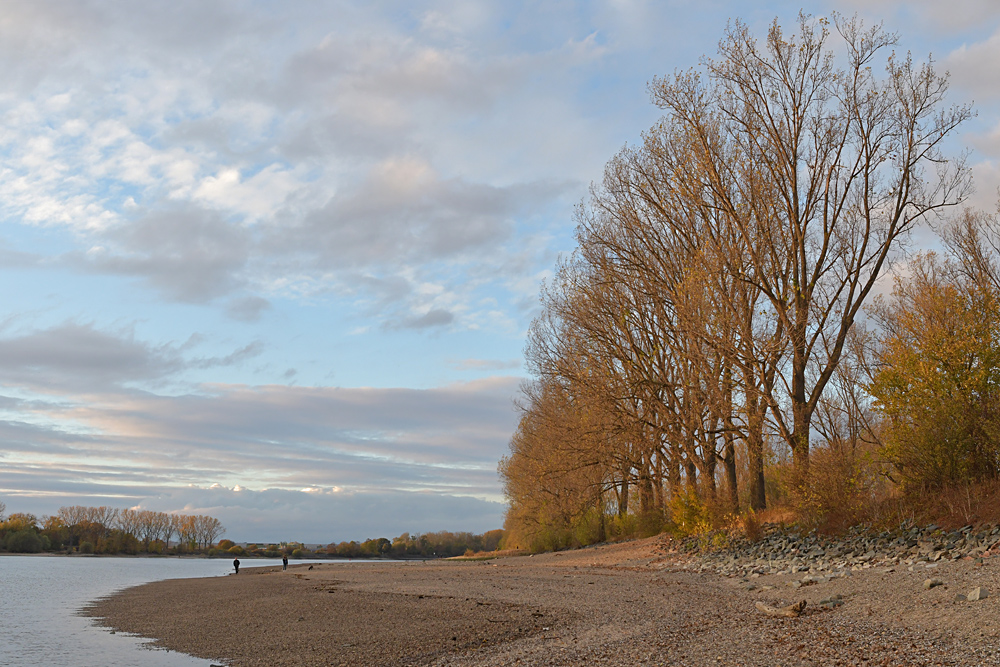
819	166
937	378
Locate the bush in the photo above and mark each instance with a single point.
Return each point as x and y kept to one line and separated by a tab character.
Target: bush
225	545
297	553
689	515
236	550
24	541
86	547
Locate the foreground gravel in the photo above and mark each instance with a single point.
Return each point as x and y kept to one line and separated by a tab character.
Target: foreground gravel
637	603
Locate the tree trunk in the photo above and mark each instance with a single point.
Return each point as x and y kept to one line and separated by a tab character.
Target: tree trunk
755	458
730	466
692	476
623	495
801	414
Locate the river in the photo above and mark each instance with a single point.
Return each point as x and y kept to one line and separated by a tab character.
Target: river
41	596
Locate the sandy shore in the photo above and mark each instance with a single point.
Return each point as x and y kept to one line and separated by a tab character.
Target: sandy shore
612	605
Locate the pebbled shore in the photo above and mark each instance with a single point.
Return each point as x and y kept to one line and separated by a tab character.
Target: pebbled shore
636	603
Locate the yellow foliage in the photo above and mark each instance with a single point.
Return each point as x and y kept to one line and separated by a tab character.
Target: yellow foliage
939	379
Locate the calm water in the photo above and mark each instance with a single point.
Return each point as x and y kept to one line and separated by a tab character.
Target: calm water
40	598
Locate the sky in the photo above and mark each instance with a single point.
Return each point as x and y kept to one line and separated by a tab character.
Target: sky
274	262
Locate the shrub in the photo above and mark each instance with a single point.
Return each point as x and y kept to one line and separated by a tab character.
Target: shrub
689	515
24	541
86	547
297	553
225	545
236	550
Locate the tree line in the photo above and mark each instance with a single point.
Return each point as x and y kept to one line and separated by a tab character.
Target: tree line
109	530
716	333
442	544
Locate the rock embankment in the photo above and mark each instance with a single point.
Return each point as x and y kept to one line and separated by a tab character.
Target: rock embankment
786	551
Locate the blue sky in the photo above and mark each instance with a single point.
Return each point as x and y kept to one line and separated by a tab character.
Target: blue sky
276	265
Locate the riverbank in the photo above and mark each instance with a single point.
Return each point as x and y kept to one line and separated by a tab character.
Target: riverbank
628	604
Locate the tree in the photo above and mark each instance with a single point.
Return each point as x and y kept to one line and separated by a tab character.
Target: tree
20	521
818	172
171	527
208	529
937	378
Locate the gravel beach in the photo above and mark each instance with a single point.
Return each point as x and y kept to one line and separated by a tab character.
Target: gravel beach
636	603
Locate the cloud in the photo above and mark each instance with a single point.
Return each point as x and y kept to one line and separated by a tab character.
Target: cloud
81	359
247	309
403	212
437	317
186	253
323	516
974	67
313	516
411	459
215	160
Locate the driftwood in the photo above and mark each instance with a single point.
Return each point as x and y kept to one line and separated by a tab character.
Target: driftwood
791	611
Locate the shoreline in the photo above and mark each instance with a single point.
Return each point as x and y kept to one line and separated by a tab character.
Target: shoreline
622	604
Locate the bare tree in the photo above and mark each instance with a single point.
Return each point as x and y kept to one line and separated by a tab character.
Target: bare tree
171	527
819	171
129	522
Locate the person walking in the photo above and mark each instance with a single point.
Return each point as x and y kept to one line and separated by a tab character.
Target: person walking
236	564
284	562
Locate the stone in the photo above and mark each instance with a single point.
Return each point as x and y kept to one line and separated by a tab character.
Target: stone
977	593
960	598
932	583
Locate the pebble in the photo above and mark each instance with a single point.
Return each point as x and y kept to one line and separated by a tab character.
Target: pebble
977	593
790	551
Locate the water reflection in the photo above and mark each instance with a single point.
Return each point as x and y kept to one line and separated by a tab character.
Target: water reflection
41	596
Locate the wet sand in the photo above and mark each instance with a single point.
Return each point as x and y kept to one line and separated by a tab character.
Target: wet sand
625	604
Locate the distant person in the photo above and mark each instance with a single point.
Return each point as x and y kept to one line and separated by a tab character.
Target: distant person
284	562
236	564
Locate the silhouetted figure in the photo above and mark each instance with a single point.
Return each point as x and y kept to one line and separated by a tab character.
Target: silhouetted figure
236	564
284	562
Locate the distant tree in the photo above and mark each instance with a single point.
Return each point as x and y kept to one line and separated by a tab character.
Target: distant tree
170	528
56	530
19	522
24	541
129	521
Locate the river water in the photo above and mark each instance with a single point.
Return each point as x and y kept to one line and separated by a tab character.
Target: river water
40	598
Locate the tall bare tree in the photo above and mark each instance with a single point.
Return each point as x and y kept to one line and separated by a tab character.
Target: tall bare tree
819	171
